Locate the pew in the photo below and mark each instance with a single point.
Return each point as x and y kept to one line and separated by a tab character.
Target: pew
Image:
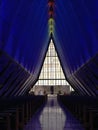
16	112
84	109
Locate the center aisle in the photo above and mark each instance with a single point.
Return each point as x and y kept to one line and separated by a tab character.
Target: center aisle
52	117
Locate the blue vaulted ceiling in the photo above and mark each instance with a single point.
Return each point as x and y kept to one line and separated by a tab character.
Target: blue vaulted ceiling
25	35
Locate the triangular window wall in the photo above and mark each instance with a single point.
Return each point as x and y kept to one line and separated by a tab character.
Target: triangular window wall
51	72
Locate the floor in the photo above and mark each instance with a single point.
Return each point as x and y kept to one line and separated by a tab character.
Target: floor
53	117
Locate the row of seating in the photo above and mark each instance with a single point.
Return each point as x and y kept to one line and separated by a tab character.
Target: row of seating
16	112
84	109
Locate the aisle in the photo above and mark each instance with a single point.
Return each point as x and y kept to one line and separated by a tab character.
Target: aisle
52	117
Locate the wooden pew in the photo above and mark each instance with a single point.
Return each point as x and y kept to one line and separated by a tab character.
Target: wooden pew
84	108
15	112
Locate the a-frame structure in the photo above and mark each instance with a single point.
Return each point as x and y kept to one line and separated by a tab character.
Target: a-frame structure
51	73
